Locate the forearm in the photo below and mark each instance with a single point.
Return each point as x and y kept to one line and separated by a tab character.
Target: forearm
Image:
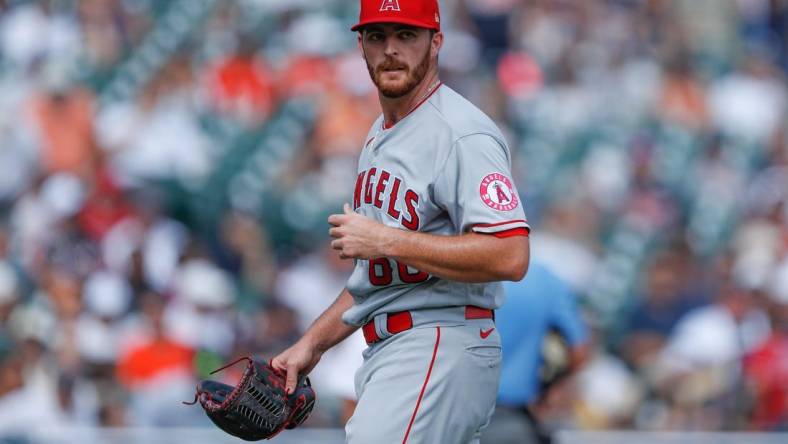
468	257
329	330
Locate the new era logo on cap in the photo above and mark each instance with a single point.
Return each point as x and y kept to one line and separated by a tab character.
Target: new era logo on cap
421	13
390	5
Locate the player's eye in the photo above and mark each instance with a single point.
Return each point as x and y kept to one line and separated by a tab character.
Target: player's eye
407	35
373	36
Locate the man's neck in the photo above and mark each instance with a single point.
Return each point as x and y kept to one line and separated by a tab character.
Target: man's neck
395	110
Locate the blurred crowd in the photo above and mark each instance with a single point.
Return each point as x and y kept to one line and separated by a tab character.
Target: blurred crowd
651	147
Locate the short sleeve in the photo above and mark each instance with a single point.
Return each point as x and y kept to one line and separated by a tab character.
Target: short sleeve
475	187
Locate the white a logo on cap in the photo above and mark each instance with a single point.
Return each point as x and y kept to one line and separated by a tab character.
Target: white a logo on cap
389	5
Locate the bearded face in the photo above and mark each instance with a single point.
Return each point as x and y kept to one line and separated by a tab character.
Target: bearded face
397	68
395	86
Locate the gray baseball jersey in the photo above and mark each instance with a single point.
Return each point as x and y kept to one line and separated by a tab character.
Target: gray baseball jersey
443	169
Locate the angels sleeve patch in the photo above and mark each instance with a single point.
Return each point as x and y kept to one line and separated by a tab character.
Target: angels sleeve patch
497	192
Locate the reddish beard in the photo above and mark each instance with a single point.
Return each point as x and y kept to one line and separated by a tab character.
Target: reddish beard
412	80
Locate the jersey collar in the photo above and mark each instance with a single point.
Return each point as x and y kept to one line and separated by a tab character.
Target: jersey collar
434	89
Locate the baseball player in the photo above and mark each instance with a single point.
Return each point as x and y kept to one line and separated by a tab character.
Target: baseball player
436	223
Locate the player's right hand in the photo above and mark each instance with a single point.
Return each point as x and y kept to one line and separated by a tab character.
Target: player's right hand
301	358
357	236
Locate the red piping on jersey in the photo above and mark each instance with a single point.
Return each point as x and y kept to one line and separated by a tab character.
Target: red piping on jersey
423	387
385	127
502	223
510	233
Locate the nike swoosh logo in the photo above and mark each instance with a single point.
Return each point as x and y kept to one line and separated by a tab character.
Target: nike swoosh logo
484	334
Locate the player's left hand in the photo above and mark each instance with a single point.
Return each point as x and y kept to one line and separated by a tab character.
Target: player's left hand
358	237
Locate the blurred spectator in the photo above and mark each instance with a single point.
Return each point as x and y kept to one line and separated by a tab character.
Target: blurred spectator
200	316
103	327
109	28
491	20
563	246
700	366
718	334
607	394
151	352
241	85
157	136
539	305
45	229
28	369
146	244
63	115
766	367
749	102
246	252
62	290
666	299
23	406
339	118
104	206
683	99
157	370
304	74
31	31
315	61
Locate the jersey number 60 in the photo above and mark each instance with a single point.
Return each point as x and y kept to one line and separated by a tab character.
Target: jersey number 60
381	273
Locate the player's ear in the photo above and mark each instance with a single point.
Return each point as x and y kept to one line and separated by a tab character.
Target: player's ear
436	43
361	49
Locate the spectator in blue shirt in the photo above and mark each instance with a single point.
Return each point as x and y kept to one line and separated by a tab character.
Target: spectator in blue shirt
536	306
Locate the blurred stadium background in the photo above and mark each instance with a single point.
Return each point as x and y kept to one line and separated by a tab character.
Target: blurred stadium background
166	167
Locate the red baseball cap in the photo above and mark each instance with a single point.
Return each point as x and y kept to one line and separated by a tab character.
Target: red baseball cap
421	13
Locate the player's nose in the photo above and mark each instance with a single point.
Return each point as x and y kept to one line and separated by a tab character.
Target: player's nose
390	48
